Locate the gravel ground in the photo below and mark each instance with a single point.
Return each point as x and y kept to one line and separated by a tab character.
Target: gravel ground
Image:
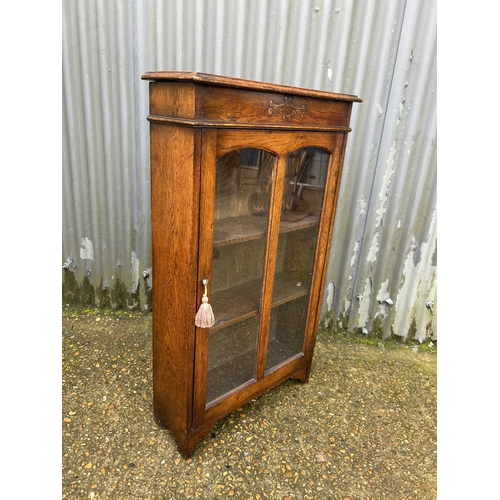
364	427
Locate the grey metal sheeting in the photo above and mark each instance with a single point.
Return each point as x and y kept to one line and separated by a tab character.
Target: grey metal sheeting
384	243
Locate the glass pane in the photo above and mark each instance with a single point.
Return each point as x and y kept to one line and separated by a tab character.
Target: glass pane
302	200
231	357
242	196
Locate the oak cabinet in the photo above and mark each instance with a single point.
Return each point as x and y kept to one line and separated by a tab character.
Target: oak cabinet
244	183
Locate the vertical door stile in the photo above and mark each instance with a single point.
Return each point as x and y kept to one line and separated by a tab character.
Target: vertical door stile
270	262
206	222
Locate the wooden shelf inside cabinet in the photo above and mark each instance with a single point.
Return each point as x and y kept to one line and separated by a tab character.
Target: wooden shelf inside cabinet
251	227
242	302
221	149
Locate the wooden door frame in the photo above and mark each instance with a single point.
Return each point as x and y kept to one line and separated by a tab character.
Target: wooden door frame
215	143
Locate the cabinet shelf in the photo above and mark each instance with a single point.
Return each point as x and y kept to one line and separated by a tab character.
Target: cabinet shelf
252	227
242	302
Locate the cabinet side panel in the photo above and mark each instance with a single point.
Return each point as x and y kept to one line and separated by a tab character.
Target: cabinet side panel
172	99
174	214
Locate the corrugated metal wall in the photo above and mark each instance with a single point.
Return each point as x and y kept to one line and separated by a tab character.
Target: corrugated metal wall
384	244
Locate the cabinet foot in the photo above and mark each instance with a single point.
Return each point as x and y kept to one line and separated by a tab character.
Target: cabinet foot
302	376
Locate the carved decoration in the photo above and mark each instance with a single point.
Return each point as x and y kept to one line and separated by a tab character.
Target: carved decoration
287	109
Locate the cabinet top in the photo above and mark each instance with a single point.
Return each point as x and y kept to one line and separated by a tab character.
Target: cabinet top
240	83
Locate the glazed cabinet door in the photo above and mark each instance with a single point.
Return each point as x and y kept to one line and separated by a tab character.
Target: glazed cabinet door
264	238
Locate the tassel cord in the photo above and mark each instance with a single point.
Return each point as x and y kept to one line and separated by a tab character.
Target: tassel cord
204	317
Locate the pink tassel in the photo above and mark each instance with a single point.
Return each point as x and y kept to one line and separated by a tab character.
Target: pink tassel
204	317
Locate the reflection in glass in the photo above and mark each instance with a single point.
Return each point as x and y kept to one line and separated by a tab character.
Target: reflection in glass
241	212
302	200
